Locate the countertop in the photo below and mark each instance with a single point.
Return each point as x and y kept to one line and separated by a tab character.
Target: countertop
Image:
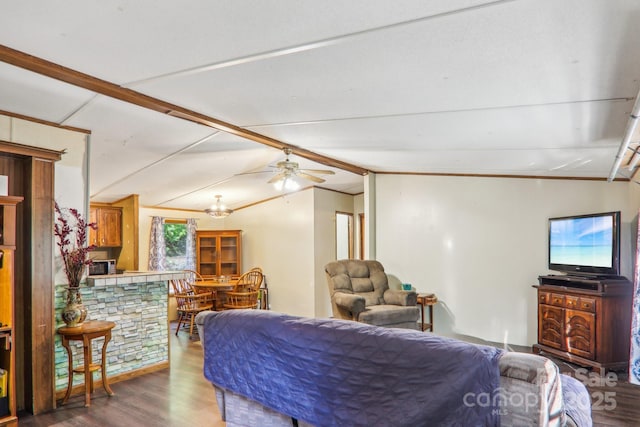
130	277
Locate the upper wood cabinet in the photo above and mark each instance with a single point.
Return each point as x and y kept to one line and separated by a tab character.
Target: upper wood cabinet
219	253
109	221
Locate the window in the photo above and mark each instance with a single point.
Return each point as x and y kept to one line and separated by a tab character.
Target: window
175	240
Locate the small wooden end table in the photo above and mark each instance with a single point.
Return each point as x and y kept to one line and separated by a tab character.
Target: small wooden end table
428	300
86	332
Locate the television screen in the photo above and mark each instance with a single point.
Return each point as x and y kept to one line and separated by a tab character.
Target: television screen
585	243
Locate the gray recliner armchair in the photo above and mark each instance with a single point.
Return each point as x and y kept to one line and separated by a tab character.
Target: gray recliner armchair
360	291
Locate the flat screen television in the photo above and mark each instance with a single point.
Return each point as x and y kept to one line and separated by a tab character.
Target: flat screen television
585	244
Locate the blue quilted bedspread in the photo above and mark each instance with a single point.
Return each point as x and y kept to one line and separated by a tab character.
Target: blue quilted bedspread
340	373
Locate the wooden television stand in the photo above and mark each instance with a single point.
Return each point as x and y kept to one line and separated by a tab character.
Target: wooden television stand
585	320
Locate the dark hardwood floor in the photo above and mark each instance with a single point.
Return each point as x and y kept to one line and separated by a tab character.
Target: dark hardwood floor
181	396
614	401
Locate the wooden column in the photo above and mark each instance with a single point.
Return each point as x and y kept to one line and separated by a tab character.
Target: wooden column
42	285
31	175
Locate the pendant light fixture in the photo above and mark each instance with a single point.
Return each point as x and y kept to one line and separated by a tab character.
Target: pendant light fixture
219	210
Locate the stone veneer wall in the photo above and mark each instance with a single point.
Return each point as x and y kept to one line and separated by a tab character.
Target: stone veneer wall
140	337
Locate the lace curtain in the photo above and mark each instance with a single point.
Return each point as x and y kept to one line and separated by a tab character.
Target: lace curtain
191	244
157	248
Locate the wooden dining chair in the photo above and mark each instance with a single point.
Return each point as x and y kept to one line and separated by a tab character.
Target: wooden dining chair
194	277
189	303
245	292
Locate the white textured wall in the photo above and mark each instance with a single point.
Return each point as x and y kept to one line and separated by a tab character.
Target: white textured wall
278	237
326	203
481	243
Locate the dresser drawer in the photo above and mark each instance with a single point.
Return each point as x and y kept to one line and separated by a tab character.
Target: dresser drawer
571	301
587	304
557	299
544	297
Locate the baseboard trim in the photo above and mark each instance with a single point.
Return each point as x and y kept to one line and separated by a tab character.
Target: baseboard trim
97	383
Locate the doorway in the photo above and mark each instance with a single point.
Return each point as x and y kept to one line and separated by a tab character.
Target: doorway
344	235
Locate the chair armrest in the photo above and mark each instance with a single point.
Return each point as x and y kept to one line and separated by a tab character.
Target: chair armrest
398	297
195	296
194	301
353	303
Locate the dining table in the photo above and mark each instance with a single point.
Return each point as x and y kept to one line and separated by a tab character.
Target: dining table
217	287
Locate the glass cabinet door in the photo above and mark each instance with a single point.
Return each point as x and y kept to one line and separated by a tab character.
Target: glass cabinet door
229	256
207	256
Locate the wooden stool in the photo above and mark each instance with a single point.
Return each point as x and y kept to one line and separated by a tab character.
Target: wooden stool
85	333
428	300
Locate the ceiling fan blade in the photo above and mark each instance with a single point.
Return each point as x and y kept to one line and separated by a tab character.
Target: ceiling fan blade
278	177
320	171
309	177
252	173
289	169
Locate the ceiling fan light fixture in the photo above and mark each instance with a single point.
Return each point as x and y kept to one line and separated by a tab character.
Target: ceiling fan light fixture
219	210
290	172
286	183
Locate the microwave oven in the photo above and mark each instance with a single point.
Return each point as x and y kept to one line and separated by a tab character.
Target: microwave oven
99	267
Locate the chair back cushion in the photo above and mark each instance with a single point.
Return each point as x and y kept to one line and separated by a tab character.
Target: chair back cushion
365	278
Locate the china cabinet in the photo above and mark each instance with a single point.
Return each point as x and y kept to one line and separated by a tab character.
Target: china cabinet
219	253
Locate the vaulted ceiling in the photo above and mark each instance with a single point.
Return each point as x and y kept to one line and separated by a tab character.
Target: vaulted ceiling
186	100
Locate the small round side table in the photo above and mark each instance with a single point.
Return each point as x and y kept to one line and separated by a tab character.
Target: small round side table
86	332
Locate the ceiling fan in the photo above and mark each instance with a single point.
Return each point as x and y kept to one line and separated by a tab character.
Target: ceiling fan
288	169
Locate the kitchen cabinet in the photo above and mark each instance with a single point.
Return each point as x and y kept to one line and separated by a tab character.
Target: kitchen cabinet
109	221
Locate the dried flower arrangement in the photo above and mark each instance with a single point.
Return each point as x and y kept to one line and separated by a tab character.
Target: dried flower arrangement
70	230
